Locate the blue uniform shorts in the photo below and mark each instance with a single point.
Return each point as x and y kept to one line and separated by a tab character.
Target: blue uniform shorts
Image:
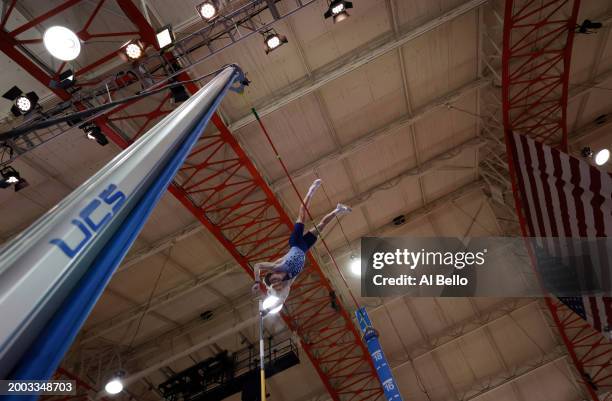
301	240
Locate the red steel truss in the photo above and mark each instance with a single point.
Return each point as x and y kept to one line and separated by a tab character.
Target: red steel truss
221	186
589	350
538	37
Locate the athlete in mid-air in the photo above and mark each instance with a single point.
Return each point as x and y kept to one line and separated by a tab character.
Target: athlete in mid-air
280	274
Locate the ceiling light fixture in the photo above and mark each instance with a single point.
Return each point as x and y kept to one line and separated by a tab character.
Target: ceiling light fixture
208	10
65	80
114	386
355	266
602	157
337	10
62	43
94	133
588	26
179	93
133	50
23	103
10	176
273	40
165	37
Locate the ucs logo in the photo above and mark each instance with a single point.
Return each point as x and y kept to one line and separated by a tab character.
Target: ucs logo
113	199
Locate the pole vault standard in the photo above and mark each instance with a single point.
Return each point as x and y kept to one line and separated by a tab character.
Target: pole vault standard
52	274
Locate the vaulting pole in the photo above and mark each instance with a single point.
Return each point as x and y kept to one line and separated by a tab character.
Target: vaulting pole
262	362
52	274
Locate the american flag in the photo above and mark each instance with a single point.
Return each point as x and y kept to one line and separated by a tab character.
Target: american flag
563	196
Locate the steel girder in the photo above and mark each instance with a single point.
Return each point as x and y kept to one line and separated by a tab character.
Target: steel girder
221	186
538	38
537	46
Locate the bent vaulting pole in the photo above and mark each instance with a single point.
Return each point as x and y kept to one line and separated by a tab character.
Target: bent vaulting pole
52	274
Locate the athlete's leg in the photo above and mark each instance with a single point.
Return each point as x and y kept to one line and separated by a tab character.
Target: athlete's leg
302	213
340	209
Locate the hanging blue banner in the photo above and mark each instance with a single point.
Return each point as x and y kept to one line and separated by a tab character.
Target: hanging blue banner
370	336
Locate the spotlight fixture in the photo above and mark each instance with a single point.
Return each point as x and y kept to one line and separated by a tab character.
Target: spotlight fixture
179	94
586	152
588	26
115	385
208	10
337	10
133	50
23	102
602	157
399	220
10	176
62	43
94	133
165	37
273	40
64	81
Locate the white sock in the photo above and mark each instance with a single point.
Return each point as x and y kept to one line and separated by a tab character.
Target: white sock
341	209
315	184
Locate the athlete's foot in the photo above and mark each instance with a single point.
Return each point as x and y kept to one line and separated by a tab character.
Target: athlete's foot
314	186
342	209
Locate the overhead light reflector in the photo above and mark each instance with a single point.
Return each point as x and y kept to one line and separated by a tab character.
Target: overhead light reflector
62	43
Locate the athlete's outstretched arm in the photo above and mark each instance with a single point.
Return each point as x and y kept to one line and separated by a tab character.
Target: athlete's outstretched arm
313	187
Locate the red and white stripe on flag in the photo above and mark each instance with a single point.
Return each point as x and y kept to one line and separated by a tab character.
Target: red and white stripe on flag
563	196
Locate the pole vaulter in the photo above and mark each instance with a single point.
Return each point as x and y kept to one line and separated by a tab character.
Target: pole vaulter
52	274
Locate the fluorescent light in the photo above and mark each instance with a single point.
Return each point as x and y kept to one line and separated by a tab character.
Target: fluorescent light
356	266
114	386
602	157
62	43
